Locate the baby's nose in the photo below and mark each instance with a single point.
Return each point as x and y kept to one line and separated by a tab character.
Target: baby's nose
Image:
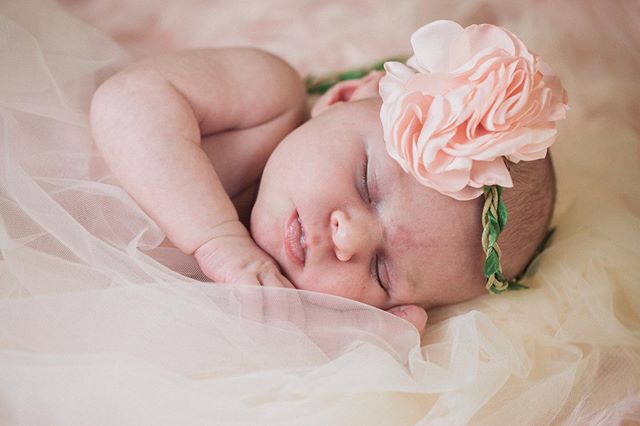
350	235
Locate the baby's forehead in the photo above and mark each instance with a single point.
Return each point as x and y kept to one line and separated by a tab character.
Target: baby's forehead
417	215
363	114
420	217
426	217
434	241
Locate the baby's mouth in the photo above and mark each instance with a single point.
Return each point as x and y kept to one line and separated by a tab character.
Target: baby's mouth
294	239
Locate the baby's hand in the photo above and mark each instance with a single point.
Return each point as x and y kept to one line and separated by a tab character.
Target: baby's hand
415	314
233	257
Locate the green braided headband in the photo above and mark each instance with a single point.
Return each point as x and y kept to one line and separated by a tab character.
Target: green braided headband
494	212
494	220
319	85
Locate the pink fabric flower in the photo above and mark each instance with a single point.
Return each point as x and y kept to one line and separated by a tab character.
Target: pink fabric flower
466	99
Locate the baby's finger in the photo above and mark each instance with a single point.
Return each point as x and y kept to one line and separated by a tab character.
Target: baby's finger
284	281
274	279
248	279
415	314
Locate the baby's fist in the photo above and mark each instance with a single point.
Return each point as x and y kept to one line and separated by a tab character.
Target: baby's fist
233	257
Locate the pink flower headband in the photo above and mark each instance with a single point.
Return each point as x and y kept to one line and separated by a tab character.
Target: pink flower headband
466	102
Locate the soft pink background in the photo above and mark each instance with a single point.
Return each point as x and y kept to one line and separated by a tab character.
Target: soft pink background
322	35
593	45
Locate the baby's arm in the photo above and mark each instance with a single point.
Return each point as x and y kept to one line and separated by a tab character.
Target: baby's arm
149	120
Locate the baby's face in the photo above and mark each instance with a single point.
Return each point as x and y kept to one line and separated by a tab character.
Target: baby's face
341	217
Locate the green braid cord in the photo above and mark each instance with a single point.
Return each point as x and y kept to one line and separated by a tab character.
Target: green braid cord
319	85
494	220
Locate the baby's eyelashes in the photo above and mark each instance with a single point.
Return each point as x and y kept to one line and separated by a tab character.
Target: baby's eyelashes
369	182
364	181
376	274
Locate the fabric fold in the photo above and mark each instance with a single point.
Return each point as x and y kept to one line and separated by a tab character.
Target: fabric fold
93	330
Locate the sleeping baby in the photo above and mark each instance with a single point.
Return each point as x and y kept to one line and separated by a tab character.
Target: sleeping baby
390	194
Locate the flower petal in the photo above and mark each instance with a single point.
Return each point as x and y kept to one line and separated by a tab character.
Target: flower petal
490	173
512	143
489	37
450	181
478	95
431	45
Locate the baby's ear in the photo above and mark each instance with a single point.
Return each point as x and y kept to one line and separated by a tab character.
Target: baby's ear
415	314
349	90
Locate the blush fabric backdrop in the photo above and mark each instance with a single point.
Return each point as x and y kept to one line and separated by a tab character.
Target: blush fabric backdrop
95	331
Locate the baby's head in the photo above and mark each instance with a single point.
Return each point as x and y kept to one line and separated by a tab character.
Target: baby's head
424	245
346	208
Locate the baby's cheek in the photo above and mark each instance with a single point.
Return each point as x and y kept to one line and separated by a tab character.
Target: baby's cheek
336	281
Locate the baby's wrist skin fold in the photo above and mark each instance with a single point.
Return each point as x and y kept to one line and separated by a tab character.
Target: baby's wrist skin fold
215	236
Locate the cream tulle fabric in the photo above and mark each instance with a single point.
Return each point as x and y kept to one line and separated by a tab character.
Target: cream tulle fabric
95	331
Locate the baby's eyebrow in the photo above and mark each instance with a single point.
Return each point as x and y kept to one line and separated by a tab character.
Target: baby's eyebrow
401	281
377	181
392	270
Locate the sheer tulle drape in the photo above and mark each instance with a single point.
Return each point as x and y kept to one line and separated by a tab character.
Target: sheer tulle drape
95	331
